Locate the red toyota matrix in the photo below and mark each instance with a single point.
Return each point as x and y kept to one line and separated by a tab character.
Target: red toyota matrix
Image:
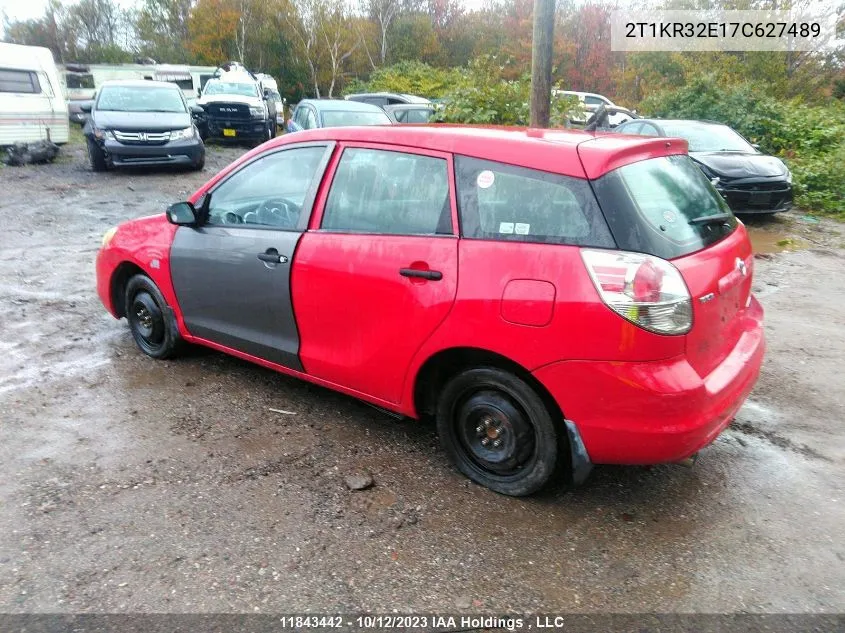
554	299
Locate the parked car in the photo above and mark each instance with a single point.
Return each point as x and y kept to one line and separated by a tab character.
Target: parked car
385	98
32	107
751	181
77	111
590	102
410	112
236	108
316	113
553	298
135	123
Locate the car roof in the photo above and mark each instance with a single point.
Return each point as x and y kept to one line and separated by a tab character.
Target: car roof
139	83
395	95
341	105
569	152
681	121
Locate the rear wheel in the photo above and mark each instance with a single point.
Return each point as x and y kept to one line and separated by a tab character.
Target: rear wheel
498	431
96	156
146	311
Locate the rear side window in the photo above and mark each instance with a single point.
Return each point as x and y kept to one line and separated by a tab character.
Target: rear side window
21	81
394	193
508	203
664	206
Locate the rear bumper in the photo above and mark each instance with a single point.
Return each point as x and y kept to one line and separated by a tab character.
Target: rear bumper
655	412
186	152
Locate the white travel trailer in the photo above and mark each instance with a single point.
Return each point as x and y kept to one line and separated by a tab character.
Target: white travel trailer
32	106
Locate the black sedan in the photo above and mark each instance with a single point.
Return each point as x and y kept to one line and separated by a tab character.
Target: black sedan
142	123
750	181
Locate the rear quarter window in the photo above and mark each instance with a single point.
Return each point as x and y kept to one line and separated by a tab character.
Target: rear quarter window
656	206
508	203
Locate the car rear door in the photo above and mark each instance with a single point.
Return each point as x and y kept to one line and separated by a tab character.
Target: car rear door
232	275
377	272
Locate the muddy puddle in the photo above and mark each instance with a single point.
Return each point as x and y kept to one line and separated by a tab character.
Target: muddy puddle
773	235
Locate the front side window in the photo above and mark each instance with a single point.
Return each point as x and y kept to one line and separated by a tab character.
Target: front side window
664	206
395	193
508	203
596	101
310	119
150	98
20	81
269	192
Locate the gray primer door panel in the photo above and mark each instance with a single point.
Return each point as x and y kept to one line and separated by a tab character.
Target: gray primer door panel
229	296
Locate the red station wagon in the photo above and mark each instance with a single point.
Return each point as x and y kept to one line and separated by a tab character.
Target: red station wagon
555	299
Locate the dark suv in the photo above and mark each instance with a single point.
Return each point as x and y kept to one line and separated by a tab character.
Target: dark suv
141	123
236	109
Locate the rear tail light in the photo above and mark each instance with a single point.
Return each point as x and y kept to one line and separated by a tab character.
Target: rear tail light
646	290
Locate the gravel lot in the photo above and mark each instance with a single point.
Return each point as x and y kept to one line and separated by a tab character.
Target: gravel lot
130	485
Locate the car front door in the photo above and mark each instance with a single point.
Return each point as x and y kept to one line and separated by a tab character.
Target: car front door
377	272
232	274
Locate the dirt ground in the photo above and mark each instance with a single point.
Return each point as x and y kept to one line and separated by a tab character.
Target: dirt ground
130	485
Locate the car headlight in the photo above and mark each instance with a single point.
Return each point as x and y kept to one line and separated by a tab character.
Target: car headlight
108	235
788	176
102	135
256	111
179	135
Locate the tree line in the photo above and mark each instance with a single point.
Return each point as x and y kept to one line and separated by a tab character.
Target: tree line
322	47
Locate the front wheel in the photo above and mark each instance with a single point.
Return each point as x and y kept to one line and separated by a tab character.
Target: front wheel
498	431
146	311
96	156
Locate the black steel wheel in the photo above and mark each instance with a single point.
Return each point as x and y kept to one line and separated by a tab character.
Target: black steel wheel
498	431
96	156
146	311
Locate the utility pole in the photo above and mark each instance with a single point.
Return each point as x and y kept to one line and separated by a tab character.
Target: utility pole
541	62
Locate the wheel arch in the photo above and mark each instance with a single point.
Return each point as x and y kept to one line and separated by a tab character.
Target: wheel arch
117	285
440	367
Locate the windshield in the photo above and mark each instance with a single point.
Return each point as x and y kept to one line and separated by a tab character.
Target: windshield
345	118
230	88
663	206
150	98
703	137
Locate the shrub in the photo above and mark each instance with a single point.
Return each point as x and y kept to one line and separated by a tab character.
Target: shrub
483	97
408	77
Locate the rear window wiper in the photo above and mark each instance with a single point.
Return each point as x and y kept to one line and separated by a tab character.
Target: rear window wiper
716	218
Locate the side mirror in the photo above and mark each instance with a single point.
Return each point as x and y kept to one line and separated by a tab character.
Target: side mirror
182	214
86	106
268	95
195	109
756	146
292	127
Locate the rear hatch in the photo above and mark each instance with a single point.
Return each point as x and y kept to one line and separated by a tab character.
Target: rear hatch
666	207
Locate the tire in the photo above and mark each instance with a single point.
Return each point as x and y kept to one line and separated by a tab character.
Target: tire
96	156
495	405
146	310
199	164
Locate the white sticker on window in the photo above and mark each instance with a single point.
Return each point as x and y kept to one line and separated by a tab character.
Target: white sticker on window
506	227
522	228
485	179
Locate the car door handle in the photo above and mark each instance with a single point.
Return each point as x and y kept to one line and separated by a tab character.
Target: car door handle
431	275
272	257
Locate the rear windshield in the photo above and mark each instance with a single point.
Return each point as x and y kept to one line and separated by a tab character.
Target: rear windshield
345	119
663	206
230	88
